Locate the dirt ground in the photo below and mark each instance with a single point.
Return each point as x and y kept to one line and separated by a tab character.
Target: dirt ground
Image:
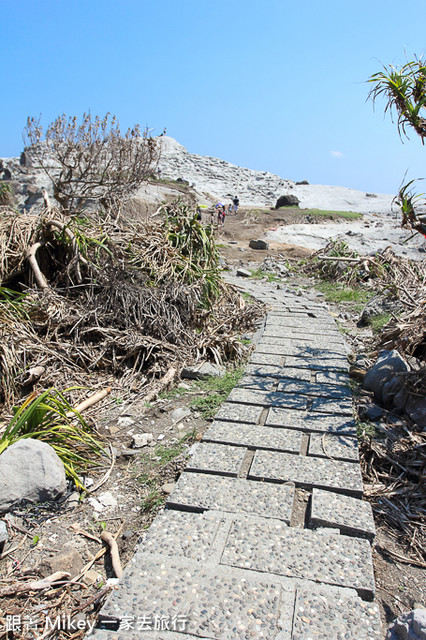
66	536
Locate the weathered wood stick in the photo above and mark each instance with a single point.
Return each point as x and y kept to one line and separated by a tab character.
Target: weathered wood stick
113	549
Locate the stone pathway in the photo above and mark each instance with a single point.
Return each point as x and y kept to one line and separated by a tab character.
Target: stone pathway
266	534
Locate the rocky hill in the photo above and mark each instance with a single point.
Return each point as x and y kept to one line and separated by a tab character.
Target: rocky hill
216	179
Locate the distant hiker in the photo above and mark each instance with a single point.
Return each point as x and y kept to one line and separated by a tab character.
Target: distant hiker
236	203
229	209
199	216
159	173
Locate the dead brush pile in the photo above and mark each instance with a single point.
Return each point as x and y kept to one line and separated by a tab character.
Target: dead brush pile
394	460
87	302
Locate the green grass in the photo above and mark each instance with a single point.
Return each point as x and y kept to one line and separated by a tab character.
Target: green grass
336	292
346	215
216	391
378	321
259	274
154	500
323	213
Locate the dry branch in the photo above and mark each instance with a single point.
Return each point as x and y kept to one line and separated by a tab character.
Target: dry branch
113	548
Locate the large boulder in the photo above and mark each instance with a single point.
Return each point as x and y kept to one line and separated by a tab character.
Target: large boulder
409	626
260	245
30	470
387	365
287	201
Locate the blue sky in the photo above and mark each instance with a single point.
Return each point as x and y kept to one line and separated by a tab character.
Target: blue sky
266	84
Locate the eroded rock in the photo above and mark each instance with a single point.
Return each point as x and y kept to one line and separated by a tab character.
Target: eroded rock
30	470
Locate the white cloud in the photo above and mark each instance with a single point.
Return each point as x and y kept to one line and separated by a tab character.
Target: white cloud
337	154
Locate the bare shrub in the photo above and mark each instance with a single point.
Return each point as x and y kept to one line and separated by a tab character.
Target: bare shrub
92	160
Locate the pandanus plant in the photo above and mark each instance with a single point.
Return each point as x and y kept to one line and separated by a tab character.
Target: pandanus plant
49	417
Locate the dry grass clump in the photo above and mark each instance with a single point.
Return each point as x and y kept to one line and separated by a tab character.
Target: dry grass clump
113	304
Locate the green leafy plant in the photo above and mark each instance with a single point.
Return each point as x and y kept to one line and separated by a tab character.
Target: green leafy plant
404	89
49	417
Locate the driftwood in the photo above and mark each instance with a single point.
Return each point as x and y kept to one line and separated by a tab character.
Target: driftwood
32	261
35	585
89	402
113	549
162	384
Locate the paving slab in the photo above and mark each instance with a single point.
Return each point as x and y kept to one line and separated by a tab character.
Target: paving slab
300	334
351	516
333	446
216	604
178	533
267	398
318	362
146	624
280	347
335	407
301	348
332	377
266	358
216	458
275	371
321	614
309	421
270	546
342	477
262	383
314	389
232	495
254	436
235	412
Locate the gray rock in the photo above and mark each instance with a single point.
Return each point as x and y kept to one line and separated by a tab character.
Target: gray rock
287	201
168	487
370	412
243	273
141	439
180	413
66	560
203	371
30	470
409	626
3	532
415	407
261	245
377	307
395	394
386	366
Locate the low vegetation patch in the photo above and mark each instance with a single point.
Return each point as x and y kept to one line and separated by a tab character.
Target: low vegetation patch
215	390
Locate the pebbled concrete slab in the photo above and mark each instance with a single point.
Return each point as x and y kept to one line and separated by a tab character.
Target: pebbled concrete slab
215	603
272	547
321	614
266	358
309	421
351	516
234	412
335	407
254	436
333	446
262	383
200	492
331	377
314	389
216	458
275	371
267	399
318	362
342	477
176	533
